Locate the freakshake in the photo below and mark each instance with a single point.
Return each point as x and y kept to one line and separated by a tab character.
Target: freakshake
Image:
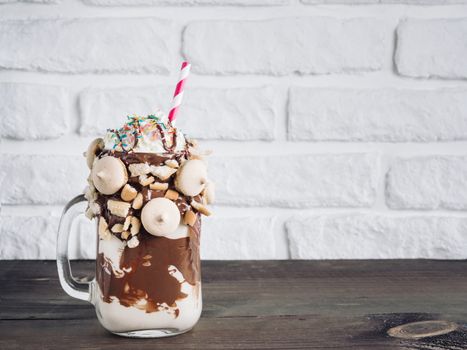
148	188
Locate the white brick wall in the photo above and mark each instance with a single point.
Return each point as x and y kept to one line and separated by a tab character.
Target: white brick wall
436	182
319	45
87	45
371	236
296	181
19	104
432	48
41	179
31	1
40	233
394	115
184	2
339	131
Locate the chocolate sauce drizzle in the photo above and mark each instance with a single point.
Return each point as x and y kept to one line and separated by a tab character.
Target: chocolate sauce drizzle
164	141
149	277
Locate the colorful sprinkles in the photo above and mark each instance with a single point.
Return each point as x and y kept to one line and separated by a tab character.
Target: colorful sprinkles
152	126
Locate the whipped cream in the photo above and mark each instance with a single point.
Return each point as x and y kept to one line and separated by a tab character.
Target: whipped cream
150	134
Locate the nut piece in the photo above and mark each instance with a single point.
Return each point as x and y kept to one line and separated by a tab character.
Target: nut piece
90	193
117	228
128	193
95	146
171	163
89	214
125	234
103	230
171	194
144	180
200	208
126	224
163	172
209	192
118	208
135	226
159	186
109	175
191	177
138	201
95	207
189	218
139	169
133	242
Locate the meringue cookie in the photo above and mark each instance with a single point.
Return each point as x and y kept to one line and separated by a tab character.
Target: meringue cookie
109	175
94	147
160	216
191	177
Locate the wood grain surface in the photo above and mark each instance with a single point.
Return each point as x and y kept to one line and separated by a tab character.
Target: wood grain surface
257	305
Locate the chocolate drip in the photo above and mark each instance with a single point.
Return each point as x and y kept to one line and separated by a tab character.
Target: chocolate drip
174	140
164	141
194	244
149	277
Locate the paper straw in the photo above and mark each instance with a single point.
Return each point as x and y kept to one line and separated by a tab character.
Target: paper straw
178	94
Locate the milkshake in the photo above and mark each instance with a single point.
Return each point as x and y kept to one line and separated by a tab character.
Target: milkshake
147	190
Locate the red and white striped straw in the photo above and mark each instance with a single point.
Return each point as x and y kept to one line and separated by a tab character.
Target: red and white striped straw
178	94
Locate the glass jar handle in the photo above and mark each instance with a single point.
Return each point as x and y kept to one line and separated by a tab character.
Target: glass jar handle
74	288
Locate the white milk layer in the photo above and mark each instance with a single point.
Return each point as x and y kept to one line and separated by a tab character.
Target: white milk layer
118	318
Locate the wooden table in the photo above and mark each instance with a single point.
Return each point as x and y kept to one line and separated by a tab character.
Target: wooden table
257	305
